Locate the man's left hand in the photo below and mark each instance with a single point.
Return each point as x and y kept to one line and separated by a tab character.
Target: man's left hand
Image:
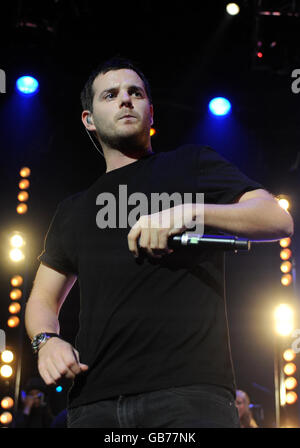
151	232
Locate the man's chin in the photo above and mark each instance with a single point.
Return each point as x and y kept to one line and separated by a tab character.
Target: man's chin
124	141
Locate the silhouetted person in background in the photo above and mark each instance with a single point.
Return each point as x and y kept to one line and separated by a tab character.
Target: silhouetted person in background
35	412
243	404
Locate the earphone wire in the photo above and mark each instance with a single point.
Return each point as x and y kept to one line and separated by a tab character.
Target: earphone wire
91	138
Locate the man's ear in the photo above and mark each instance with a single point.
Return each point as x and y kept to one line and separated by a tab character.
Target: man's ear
87	120
151	112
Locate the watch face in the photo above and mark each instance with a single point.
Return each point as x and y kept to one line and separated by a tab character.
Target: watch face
38	339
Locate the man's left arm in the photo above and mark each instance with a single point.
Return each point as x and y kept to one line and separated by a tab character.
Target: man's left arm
255	215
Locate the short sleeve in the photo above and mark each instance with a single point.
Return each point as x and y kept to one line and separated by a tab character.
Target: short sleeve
221	181
58	253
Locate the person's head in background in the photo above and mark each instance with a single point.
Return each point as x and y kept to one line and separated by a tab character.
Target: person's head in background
242	402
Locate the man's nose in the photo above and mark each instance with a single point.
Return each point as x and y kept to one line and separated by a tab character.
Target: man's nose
125	99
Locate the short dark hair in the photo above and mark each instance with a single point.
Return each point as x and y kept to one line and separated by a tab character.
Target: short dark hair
114	63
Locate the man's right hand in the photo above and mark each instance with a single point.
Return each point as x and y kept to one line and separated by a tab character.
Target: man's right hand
58	359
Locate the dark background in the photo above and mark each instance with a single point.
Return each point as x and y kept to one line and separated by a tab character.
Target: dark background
190	53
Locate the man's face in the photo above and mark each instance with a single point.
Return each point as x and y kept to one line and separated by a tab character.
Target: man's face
36	395
122	113
240	403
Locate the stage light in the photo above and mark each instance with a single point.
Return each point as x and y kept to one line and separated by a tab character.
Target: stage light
289	355
286	267
24	184
15	294
291	397
16	255
7	403
7	356
13	321
6	371
59	389
27	85
16	280
284	203
152	132
17	240
22	209
285	242
6	418
290	383
284	317
232	9
14	308
25	172
285	254
219	106
23	196
286	280
290	368
259	54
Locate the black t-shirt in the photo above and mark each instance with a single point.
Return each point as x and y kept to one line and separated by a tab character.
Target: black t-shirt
146	324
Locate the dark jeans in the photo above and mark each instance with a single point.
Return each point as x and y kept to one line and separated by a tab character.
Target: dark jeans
196	406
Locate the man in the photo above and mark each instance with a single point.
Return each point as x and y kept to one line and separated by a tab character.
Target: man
152	348
35	413
242	403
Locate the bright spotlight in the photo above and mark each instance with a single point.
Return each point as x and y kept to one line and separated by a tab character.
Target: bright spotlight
290	368
6	418
232	9
284	317
22	209
13	321
17	240
219	106
284	203
289	355
16	280
27	85
25	171
285	242
7	403
6	371
7	356
291	397
16	255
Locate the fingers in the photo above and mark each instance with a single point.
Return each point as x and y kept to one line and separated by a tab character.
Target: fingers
132	239
59	361
154	240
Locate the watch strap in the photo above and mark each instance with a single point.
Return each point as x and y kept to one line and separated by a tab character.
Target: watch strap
40	339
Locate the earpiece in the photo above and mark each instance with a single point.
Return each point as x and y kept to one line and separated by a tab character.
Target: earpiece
88	119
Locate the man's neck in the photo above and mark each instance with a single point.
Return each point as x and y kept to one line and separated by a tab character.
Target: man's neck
116	159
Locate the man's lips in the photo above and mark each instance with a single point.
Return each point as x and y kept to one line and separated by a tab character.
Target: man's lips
127	116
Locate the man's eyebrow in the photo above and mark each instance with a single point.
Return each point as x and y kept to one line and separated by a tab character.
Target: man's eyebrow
113	89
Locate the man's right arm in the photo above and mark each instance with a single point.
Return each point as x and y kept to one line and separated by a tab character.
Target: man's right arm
56	358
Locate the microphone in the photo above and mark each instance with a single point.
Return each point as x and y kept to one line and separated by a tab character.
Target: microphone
218	242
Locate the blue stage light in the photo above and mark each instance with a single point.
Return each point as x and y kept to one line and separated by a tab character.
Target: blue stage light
219	106
59	389
27	85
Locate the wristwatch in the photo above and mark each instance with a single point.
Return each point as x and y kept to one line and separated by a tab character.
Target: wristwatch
40	340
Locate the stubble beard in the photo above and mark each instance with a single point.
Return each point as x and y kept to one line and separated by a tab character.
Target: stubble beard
125	143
